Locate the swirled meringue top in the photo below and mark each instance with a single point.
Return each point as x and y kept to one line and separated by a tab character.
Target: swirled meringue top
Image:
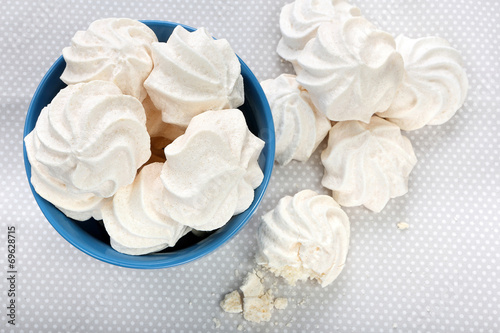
92	138
212	170
351	69
299	126
434	86
135	218
305	236
113	49
367	164
194	73
78	206
300	20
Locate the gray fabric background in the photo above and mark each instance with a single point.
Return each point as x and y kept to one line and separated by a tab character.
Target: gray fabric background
441	275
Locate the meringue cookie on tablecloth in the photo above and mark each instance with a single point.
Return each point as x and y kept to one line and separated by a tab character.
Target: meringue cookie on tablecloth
113	49
300	20
350	69
305	236
194	73
434	86
136	219
91	138
211	170
299	127
367	164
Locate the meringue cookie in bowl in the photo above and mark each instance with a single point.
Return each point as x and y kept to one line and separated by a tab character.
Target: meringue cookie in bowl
78	206
299	127
305	237
113	49
135	217
90	140
434	86
300	20
212	170
194	73
367	164
351	69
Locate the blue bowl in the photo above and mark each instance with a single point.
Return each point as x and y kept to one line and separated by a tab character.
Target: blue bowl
90	236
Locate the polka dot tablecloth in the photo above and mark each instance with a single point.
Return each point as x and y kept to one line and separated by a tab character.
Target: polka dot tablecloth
440	275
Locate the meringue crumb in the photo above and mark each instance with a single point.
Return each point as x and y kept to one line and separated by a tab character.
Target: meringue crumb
240	327
232	303
260	274
252	285
258	309
394	326
216	322
403	225
280	303
236	273
256	303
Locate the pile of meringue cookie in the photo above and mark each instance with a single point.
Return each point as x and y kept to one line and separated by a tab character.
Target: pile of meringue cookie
361	87
146	136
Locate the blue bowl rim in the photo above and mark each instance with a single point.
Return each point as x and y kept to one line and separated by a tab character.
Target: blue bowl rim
169	261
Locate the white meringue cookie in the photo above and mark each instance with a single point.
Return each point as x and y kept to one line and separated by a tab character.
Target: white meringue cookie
81	206
350	69
305	236
300	20
367	164
434	86
212	170
194	73
113	49
299	127
136	219
91	138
